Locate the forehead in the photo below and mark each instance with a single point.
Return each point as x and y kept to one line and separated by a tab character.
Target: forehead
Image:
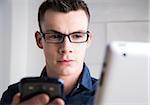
65	22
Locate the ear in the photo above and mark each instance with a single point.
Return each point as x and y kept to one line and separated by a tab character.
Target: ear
89	39
38	38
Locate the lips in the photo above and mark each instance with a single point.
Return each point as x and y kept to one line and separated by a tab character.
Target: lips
65	61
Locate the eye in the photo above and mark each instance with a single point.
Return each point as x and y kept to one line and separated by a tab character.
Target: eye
53	36
77	35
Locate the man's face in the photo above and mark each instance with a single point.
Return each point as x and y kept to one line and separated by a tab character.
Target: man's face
64	59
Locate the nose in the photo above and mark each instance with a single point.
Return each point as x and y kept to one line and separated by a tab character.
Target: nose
65	46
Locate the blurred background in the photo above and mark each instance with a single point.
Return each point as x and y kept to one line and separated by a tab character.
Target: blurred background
112	20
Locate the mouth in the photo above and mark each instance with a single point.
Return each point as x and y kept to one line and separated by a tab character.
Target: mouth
68	61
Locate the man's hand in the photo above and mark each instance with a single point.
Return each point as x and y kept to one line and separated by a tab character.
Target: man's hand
41	99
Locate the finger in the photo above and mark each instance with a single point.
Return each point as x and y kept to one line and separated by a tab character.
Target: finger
16	99
57	101
41	99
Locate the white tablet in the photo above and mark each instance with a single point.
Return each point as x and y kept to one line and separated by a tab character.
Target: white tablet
125	75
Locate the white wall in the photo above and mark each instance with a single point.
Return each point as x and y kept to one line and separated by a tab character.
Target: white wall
149	19
125	20
25	56
5	40
19	32
19	55
111	20
34	65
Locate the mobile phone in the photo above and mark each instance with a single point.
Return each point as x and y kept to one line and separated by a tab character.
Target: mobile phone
31	86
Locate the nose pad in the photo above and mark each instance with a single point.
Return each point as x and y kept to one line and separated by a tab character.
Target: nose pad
65	46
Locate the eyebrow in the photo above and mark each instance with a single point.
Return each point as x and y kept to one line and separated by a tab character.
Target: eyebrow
55	31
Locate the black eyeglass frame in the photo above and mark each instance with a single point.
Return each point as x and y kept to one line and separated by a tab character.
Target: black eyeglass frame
64	35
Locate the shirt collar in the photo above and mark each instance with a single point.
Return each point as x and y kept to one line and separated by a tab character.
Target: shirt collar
84	80
44	73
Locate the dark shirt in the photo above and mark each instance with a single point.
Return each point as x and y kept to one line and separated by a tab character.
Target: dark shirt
82	94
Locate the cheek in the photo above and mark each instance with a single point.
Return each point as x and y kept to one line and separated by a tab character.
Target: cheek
50	53
80	51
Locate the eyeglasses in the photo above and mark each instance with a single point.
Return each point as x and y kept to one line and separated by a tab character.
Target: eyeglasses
57	37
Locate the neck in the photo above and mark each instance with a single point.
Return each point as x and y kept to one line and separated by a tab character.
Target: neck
70	83
70	79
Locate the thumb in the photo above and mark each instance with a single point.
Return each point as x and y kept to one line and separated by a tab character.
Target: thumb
16	99
57	101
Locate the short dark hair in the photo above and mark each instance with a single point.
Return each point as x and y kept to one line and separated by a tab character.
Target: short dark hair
61	6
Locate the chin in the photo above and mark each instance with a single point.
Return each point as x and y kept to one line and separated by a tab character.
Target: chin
68	71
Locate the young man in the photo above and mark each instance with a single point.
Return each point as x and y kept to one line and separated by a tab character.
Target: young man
64	38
